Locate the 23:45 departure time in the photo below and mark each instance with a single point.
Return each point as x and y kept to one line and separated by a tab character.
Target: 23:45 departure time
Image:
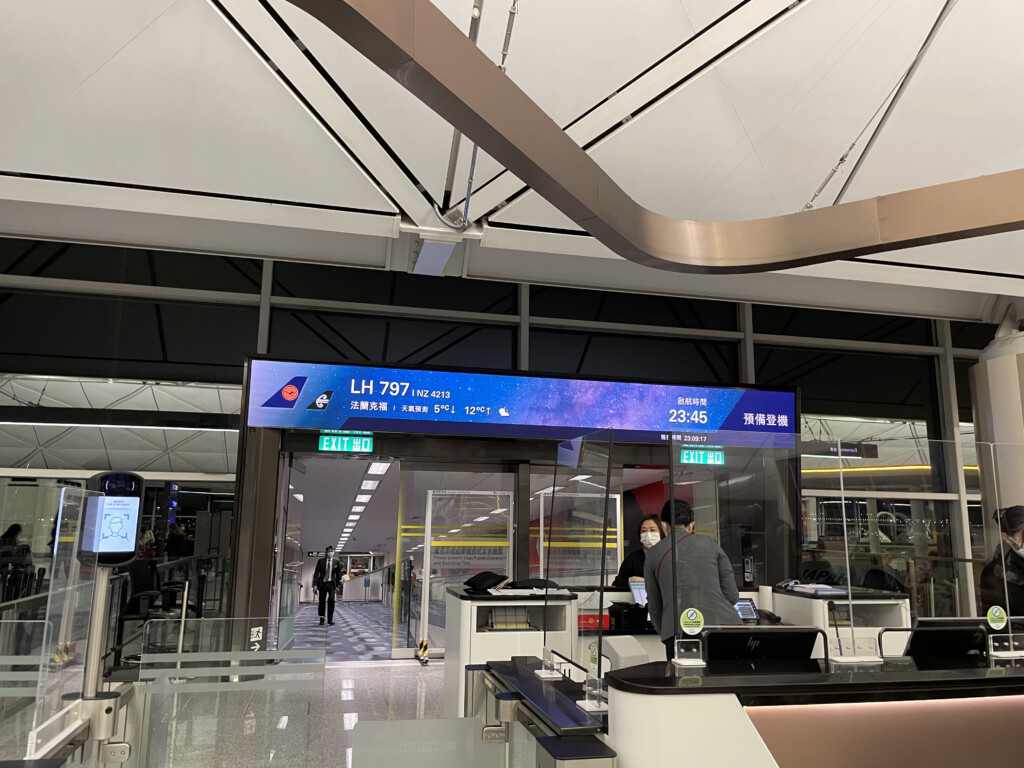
682	416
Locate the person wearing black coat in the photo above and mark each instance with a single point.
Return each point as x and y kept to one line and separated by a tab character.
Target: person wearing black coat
1007	561
649	533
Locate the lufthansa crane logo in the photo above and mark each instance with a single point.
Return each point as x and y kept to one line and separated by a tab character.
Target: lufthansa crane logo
286	396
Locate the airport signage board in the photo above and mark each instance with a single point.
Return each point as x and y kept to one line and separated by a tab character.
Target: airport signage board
350	398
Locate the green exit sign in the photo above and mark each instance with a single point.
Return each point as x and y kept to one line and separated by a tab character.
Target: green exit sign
346	444
701	456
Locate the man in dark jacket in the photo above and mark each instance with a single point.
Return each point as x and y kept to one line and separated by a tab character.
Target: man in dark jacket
327	581
704	577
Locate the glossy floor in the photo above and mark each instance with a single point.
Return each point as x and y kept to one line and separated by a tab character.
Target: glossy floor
361	631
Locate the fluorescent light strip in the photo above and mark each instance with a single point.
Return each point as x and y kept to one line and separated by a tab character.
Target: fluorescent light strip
378	467
110	426
363	498
498	510
358	508
370	485
299	496
353	517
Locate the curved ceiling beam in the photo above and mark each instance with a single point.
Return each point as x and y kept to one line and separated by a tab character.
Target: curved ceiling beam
415	43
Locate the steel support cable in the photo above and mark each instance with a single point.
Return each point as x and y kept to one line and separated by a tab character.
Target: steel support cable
512	12
886	107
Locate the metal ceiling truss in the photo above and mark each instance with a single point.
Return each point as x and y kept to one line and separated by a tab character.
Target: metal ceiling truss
415	43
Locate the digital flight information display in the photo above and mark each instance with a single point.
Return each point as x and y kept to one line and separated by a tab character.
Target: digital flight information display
316	396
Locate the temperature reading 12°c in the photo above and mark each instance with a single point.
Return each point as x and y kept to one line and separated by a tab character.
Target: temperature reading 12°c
683	416
477	410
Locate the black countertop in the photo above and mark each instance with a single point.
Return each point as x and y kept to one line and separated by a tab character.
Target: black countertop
892	681
462	594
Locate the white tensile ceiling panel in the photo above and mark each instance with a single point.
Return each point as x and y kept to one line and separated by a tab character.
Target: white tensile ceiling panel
962	114
571	55
412	130
141	400
71	458
806	88
702	12
127	440
185	104
103	394
688	149
995	260
50	49
16	456
62	394
199	462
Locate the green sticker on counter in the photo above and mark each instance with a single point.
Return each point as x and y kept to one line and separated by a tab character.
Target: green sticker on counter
996	617
691	621
593	656
689	682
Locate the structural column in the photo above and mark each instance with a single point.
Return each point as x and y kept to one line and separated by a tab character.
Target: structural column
997	394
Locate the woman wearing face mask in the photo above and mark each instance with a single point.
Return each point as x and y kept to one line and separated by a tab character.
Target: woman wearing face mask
1007	561
632	568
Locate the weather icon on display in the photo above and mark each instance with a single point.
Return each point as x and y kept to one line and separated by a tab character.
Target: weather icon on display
504	411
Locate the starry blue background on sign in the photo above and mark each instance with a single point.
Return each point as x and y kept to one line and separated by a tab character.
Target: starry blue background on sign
537	407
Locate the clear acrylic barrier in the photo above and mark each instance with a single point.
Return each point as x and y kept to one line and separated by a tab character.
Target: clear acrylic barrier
217	695
580	544
734	527
883	524
68	609
1000	577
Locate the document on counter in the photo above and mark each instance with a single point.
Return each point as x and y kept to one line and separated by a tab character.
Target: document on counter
535	592
817	590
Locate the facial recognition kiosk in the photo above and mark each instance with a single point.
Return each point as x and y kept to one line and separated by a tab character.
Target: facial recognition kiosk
109	535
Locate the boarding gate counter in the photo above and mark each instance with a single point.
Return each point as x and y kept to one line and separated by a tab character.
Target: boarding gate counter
825	673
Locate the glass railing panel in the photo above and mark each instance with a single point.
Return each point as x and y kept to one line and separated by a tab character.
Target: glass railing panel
247	703
23	672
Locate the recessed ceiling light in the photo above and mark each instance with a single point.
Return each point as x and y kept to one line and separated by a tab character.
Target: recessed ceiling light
298	496
353	517
350	525
549	489
358	508
499	510
370	485
481	519
579	477
291	487
363	498
378	467
454	530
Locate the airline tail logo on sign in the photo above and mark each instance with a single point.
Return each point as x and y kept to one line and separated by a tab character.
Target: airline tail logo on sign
321	401
286	396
